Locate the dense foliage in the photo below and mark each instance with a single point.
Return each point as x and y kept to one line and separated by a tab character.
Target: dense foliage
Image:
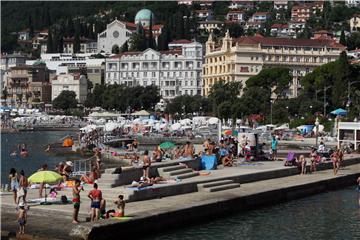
65	100
123	98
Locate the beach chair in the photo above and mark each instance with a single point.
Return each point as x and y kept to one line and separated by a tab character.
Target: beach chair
290	159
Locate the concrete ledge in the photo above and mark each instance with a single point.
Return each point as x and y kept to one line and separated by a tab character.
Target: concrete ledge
130	173
221	204
189	187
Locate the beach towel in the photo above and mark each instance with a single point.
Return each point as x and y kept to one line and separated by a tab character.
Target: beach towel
121	218
208	162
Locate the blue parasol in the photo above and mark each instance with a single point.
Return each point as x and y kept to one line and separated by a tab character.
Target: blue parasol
339	112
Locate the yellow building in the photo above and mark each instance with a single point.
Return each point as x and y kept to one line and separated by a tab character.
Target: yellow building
240	58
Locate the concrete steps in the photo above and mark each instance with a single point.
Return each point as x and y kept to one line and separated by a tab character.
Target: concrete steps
187	175
217	186
178	171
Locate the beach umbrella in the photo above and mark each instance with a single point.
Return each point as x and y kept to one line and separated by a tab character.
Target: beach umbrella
213	120
339	112
167	145
175	126
45	177
230	132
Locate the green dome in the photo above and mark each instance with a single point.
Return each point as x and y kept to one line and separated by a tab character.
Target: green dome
144	16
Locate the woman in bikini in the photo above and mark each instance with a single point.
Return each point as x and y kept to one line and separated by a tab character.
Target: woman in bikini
335	160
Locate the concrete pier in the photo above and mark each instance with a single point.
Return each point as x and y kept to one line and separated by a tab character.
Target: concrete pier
264	184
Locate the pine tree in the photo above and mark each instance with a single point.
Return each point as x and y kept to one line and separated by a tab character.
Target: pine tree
50	43
342	38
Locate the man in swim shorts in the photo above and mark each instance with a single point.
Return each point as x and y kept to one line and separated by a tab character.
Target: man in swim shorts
95	195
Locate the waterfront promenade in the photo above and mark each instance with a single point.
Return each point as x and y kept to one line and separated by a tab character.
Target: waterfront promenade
54	221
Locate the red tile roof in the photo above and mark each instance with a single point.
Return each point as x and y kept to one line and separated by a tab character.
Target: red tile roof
261	13
172	52
279	25
287	42
181	41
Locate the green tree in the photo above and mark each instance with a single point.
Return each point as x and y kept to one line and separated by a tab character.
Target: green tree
353	41
273	80
224	110
235	30
124	47
76	46
31	27
65	100
137	42
342	38
49	44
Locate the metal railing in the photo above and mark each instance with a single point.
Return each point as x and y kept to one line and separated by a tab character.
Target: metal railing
82	167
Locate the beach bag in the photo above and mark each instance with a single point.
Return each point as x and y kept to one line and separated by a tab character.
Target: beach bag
117	170
64	199
20	192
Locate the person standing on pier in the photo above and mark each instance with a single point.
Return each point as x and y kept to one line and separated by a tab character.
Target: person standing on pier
22	217
335	160
95	195
23	184
14	183
76	200
146	164
274	143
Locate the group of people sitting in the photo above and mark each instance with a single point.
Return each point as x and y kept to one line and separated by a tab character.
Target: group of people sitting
315	159
225	151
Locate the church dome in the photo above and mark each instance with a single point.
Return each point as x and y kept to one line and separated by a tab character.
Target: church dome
143	16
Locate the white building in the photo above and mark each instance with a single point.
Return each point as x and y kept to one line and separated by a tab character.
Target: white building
114	36
210	25
281	4
235	16
237	4
352	3
71	82
73	62
175	72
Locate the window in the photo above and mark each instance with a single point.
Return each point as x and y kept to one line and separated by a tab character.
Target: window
145	74
153	74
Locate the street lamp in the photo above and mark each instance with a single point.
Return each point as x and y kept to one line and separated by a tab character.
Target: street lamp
317	130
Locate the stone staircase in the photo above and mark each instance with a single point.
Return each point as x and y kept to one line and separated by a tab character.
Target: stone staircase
217	186
178	171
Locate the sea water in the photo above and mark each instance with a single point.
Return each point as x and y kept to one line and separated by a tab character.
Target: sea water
36	143
326	216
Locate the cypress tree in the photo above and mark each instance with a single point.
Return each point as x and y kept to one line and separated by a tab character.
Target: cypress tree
342	38
150	43
61	43
31	27
76	45
124	47
50	43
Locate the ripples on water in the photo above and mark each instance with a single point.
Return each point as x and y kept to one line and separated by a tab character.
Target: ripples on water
327	216
36	143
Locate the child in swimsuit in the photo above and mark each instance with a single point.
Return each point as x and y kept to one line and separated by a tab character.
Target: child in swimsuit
22	217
